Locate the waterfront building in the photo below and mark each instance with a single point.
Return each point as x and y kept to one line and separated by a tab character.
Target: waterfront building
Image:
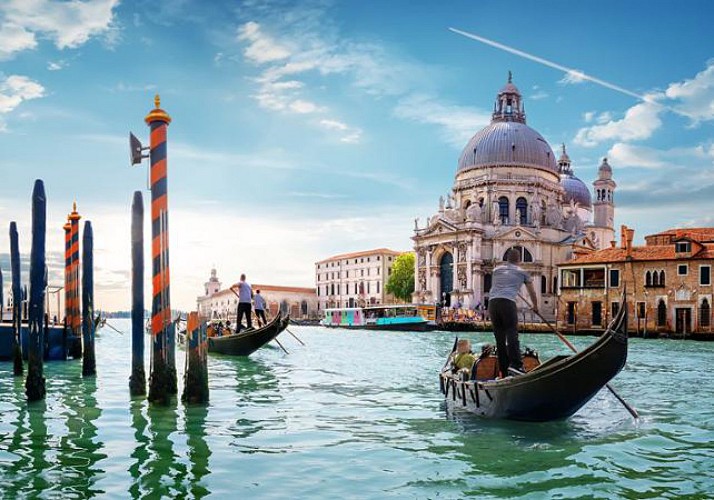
668	281
354	279
510	191
218	303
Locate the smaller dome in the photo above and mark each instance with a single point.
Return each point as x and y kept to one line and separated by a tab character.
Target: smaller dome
575	190
605	170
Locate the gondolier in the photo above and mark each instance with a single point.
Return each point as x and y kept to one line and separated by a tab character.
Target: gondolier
259	308
507	281
245	296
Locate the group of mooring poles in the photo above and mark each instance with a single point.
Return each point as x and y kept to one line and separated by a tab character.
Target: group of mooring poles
163	382
37	325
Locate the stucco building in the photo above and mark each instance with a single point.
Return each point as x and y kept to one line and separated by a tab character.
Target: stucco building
668	280
354	279
218	303
510	190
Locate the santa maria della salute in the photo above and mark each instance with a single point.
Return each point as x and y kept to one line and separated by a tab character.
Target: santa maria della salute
510	191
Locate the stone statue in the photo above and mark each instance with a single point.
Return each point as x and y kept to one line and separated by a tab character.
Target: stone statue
441	203
416	224
473	213
496	214
553	216
518	216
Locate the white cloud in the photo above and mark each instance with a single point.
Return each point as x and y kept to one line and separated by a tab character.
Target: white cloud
351	135
304	107
695	96
639	122
573	76
261	48
627	155
15	89
457	123
56	65
588	116
13	39
67	24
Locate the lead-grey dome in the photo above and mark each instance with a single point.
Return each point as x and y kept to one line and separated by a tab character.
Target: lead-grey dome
575	190
505	143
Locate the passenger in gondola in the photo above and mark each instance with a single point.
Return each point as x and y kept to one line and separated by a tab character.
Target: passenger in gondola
464	359
507	281
259	303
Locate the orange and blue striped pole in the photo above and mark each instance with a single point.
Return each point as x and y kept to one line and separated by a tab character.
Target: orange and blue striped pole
75	314
67	267
163	380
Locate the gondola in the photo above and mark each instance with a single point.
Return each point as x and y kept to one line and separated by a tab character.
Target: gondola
553	390
247	342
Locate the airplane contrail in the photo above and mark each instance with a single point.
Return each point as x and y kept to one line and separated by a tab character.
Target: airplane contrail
574	72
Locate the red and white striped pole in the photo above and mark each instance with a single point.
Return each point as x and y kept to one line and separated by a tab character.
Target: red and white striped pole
75	314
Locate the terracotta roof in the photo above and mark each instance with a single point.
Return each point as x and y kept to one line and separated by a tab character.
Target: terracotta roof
639	253
695	233
365	253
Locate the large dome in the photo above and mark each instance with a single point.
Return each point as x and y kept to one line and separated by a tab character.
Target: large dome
504	143
575	190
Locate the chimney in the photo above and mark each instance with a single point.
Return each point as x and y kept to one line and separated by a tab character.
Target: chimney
613	244
630	236
623	236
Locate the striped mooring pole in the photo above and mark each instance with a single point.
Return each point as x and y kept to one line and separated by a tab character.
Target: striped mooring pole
16	301
196	376
89	364
137	381
35	382
67	267
163	382
75	313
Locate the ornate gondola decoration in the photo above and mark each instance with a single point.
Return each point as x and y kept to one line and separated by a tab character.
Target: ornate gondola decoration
553	390
247	342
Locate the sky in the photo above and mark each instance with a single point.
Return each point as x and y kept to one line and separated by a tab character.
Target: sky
306	129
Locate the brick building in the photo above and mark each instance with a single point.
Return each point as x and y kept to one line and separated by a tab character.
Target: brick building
217	303
354	279
668	280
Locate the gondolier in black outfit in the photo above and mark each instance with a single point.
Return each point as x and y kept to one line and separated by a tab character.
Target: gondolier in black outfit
245	295
507	281
260	309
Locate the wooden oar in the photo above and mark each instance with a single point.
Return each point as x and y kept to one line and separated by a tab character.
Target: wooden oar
624	403
281	345
106	323
296	337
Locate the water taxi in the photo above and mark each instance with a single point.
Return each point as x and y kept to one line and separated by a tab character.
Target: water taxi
404	317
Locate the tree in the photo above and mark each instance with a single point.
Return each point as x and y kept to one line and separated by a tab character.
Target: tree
401	281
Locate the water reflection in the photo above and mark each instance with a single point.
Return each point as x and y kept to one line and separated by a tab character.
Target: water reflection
198	450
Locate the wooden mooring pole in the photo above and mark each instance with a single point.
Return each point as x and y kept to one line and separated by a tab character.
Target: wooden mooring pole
16	301
137	381
89	363
196	377
75	318
35	382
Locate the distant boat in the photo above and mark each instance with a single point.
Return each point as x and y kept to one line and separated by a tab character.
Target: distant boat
403	317
246	342
553	390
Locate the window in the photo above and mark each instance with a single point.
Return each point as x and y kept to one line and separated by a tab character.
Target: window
704	314
597	313
661	278
378	287
503	209
648	278
522	208
570	313
594	278
362	272
526	256
661	313
614	278
487	282
570	278
682	247
705	275
640	310
543	284
367	271
682	270
368	287
347	274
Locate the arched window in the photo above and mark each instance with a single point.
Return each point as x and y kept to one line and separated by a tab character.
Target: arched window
543	284
655	278
480	202
486	282
467	204
648	278
503	209
661	278
522	207
555	284
661	313
525	254
704	314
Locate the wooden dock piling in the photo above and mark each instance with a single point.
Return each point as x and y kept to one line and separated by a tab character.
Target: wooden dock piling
196	377
35	382
89	364
16	300
137	381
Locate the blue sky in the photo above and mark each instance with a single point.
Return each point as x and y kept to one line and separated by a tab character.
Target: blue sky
306	129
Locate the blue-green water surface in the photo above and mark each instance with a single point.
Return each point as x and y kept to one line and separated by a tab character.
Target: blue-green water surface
355	414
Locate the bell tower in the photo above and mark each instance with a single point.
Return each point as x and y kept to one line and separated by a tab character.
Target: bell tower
604	203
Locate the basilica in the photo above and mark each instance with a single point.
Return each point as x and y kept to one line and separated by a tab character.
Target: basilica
510	191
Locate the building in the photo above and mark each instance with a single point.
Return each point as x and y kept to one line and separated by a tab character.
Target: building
354	279
668	280
217	303
510	191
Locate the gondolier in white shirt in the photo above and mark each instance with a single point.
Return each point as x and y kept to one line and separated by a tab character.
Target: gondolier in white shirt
506	283
245	296
259	303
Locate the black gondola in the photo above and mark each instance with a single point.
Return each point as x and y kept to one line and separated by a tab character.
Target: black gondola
247	342
553	390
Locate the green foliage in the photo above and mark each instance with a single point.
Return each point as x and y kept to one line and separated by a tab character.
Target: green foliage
401	281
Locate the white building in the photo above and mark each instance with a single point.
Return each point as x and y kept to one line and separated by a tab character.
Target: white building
354	279
217	303
509	191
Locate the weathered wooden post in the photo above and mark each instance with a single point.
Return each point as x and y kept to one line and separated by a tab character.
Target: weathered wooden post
196	377
35	382
137	381
16	300
163	376
75	313
2	297
89	364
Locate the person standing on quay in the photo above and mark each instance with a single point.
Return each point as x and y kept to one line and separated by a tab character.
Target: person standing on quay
245	295
507	281
259	302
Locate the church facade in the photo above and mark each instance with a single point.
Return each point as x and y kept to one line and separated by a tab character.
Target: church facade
510	191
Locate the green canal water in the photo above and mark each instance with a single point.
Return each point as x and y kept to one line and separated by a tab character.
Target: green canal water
355	414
